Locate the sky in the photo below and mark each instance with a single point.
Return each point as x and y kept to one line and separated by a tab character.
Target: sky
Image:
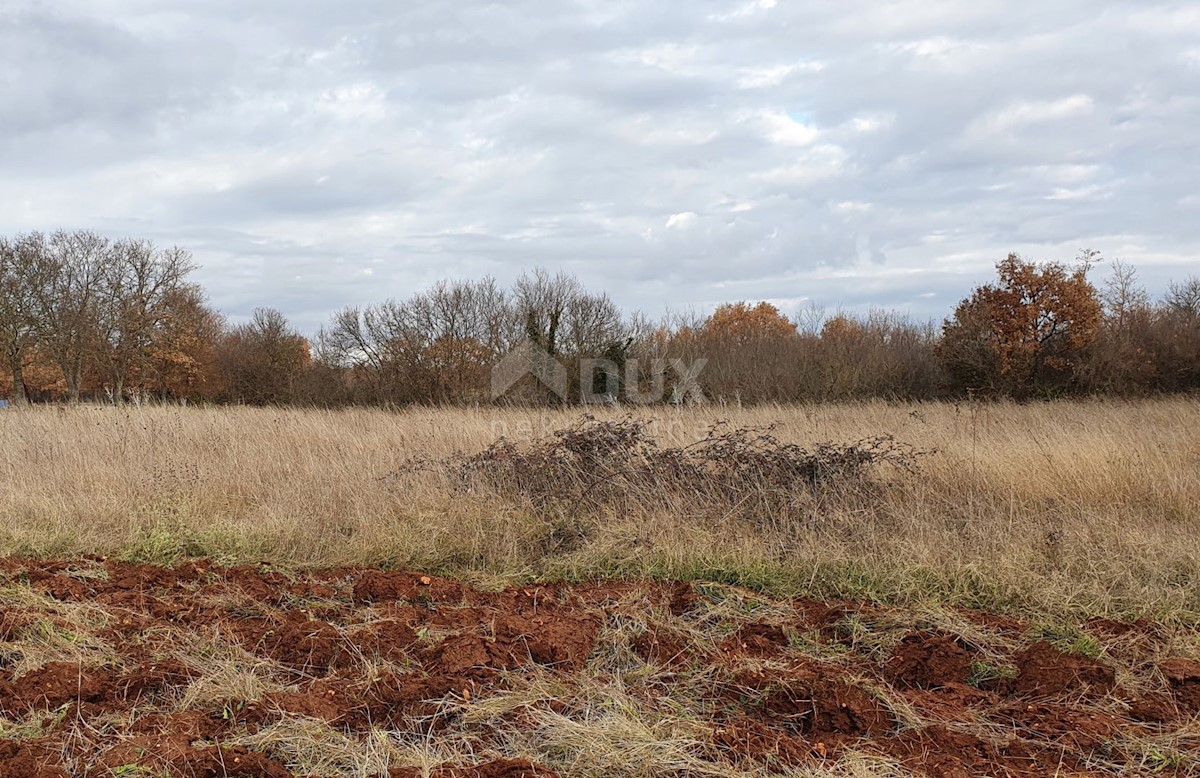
316	154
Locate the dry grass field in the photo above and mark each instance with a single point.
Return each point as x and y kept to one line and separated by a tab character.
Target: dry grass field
228	592
1088	508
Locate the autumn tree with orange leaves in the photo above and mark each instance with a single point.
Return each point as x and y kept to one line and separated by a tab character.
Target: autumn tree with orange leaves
748	351
1024	334
183	350
741	323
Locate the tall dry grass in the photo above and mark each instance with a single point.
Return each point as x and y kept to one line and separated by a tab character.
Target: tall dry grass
1087	507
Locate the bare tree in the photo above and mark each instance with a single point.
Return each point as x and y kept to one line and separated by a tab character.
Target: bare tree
595	325
1183	298
542	300
434	346
562	317
19	274
1123	296
261	360
68	300
457	330
567	322
136	285
364	342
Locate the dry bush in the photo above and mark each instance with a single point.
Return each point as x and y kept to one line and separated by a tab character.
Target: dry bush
618	464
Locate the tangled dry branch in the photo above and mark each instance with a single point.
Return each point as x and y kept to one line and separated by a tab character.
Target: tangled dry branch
618	464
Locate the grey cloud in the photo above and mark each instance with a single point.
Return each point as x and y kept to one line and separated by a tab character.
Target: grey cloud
859	154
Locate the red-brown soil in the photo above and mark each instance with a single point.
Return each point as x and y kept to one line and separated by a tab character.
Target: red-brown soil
929	661
365	650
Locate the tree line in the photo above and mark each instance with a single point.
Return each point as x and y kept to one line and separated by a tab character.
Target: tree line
86	317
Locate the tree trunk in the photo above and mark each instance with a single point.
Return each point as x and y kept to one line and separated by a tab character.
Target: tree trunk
74	377
17	368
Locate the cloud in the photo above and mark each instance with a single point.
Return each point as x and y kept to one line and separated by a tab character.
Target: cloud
775	75
1026	113
682	221
319	155
785	130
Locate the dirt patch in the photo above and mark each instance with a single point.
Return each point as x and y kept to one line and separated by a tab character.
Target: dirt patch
500	768
173	755
29	760
929	661
814	700
176	669
760	640
552	639
1043	670
53	685
664	647
1154	708
683	600
951	702
747	739
1184	677
376	586
330	700
942	752
1001	624
821	706
1076	732
1118	628
305	644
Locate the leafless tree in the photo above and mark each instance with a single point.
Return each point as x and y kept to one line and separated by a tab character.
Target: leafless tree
261	360
69	298
19	277
562	317
136	285
1183	298
434	346
541	300
1123	296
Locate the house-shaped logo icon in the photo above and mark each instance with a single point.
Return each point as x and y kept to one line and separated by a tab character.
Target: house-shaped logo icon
528	359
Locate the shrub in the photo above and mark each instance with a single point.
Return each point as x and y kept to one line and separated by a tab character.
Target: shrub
618	465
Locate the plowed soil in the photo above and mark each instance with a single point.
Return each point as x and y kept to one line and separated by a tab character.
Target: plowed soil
110	668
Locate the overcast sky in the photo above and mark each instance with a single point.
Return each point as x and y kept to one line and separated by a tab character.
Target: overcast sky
314	154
